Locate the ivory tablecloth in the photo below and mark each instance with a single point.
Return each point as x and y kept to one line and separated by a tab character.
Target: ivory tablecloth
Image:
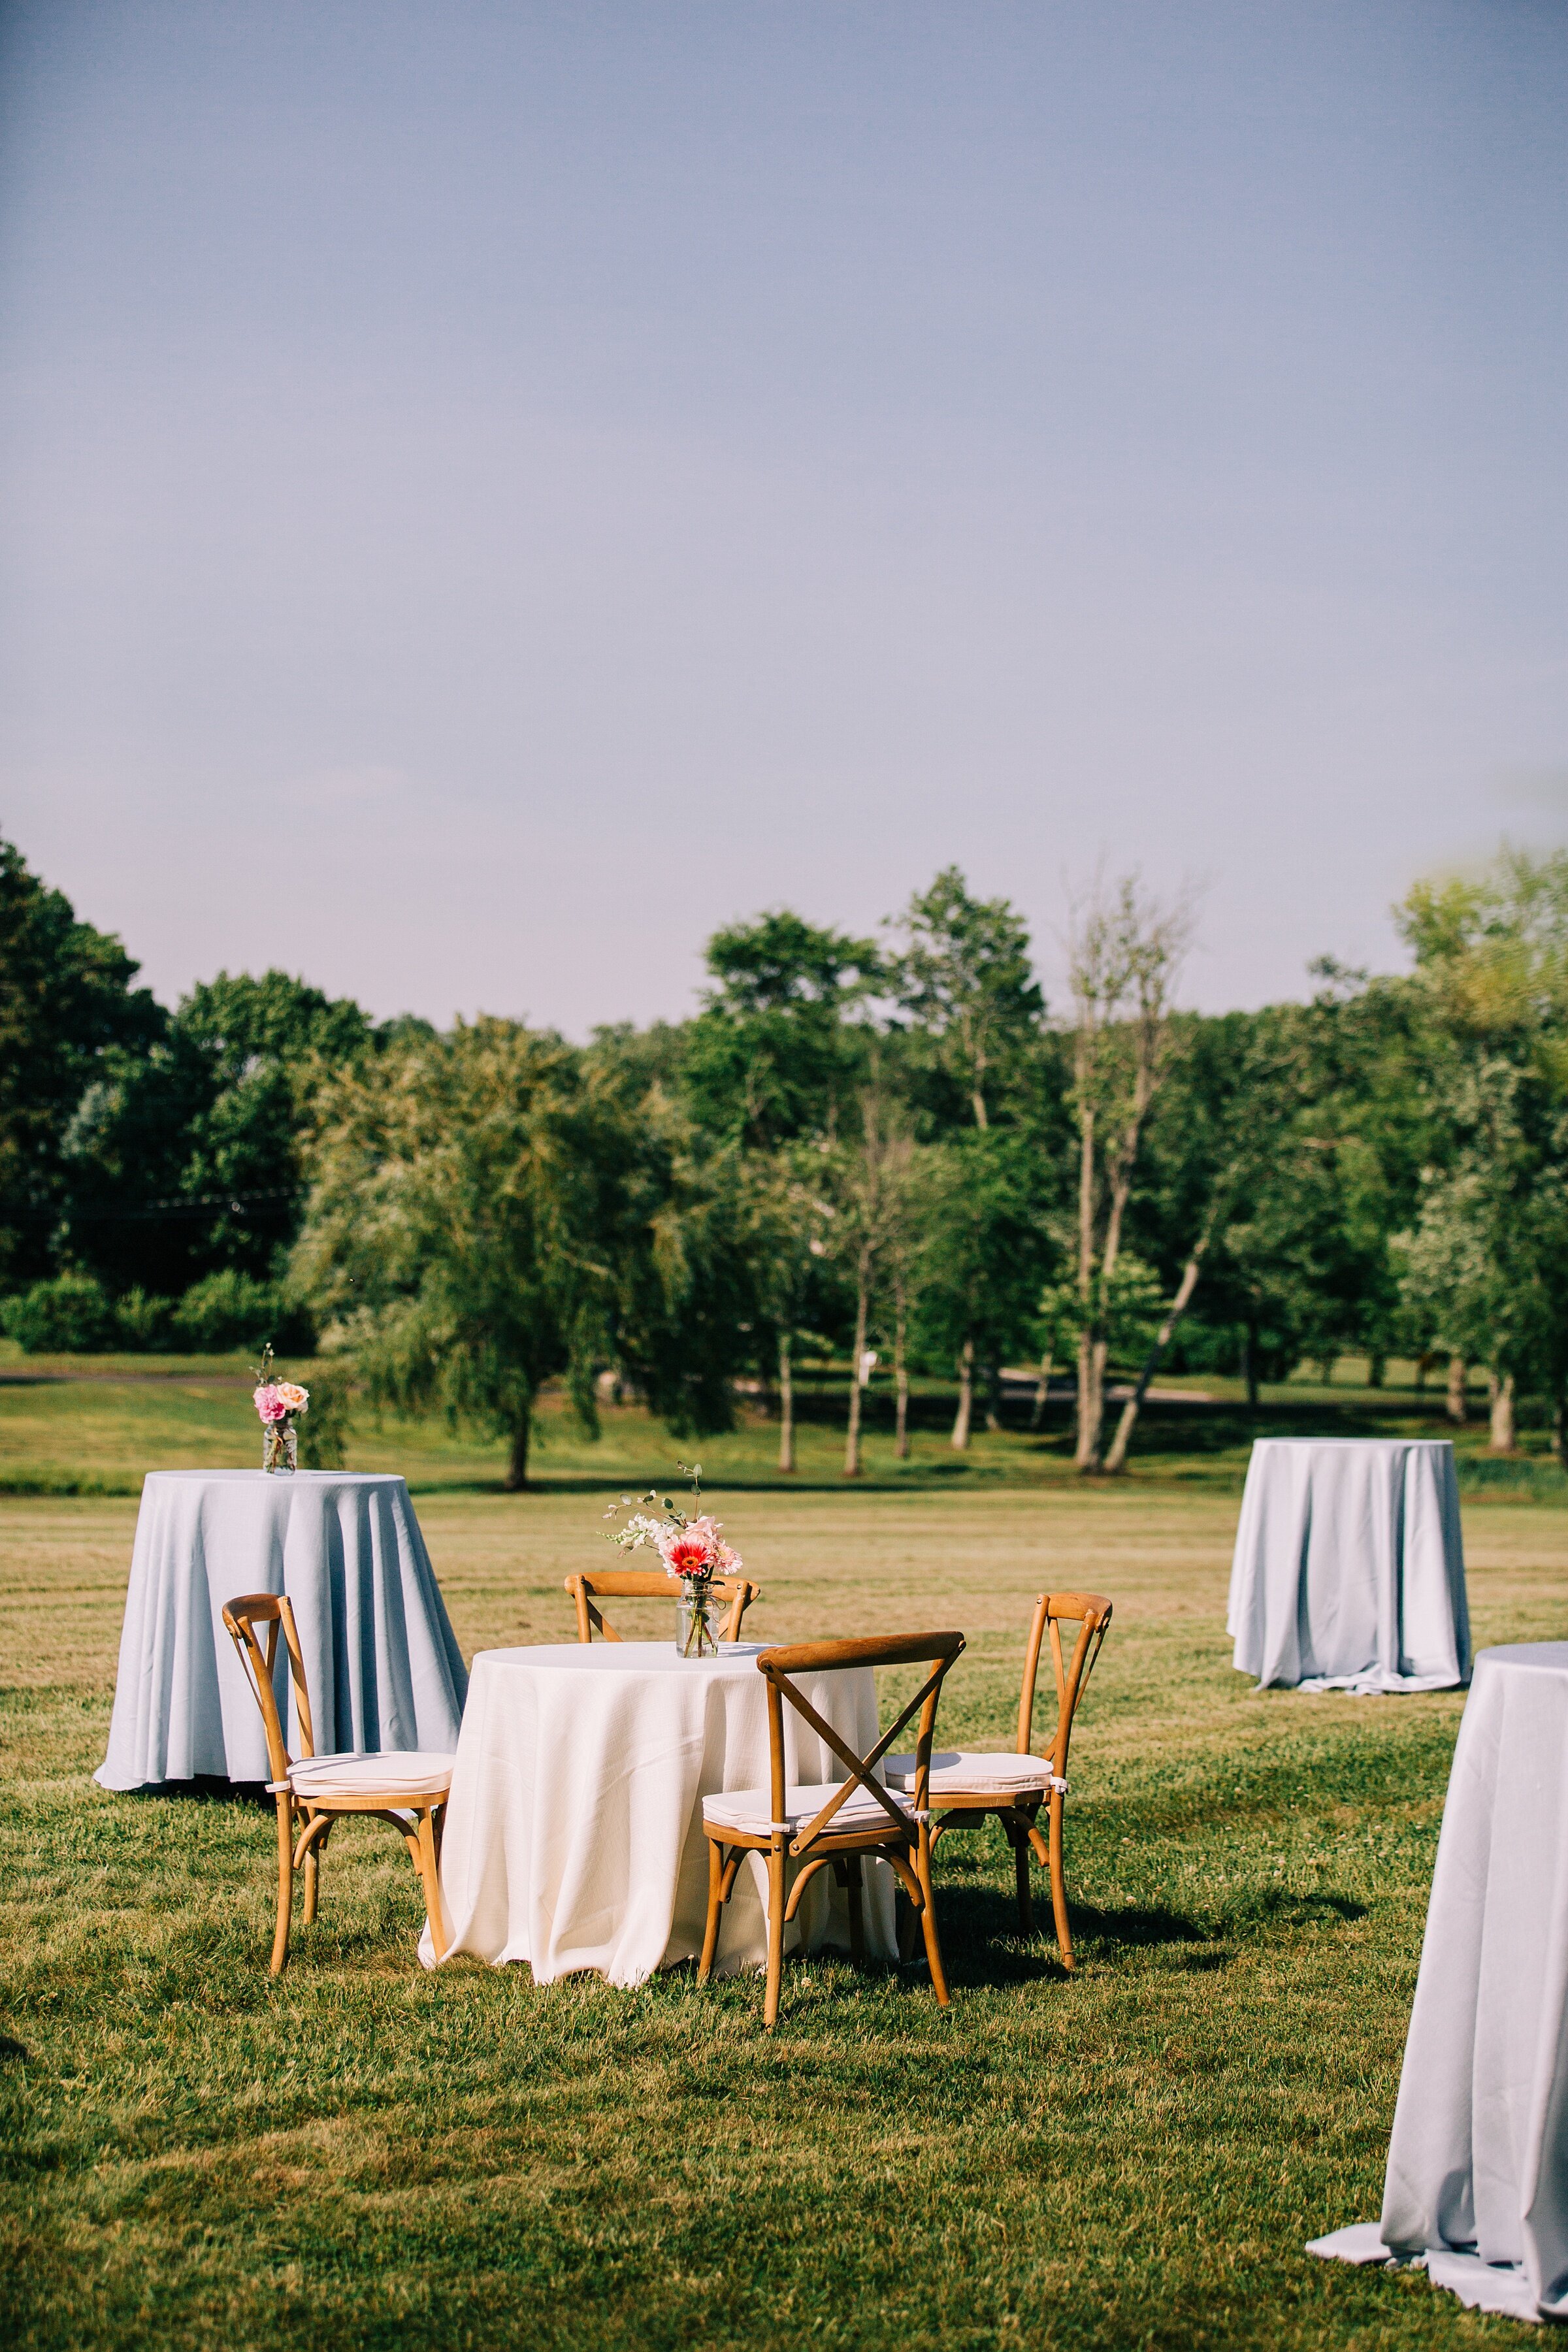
1477	2164
574	1837
381	1659
1348	1572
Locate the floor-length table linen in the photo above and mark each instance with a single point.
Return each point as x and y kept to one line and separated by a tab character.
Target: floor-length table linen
381	1659
1349	1568
573	1836
1478	2162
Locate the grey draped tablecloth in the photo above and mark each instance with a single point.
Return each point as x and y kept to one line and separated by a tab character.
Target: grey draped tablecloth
1477	2164
1348	1572
381	1659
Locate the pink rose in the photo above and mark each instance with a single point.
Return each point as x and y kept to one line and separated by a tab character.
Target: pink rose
270	1405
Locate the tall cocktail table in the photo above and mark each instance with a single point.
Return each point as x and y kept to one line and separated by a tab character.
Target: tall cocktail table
383	1663
1348	1572
1478	2163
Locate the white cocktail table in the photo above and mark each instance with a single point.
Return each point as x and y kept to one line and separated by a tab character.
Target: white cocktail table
574	1837
382	1661
1348	1572
1478	2163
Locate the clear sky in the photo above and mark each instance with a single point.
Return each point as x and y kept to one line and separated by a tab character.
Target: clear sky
493	492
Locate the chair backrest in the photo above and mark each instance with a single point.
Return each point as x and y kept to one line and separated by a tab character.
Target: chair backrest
272	1610
1092	1613
935	1650
649	1584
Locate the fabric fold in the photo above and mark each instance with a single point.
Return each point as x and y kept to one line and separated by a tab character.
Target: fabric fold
383	1664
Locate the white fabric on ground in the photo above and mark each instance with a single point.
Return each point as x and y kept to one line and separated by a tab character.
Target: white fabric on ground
573	1836
381	1659
1478	2163
1360	2242
1349	1571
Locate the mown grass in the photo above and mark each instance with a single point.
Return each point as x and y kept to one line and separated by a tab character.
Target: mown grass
367	2155
93	1425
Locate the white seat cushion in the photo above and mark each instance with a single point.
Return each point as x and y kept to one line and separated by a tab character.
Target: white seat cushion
751	1809
963	1771
404	1773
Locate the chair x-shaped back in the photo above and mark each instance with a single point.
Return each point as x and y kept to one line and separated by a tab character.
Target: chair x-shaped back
837	1824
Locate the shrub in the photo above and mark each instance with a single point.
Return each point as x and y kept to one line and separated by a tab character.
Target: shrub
144	1324
325	1427
72	1313
231	1310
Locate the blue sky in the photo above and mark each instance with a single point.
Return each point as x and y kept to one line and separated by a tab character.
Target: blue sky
490	493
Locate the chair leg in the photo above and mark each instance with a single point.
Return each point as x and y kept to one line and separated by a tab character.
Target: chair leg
429	1872
715	1904
775	1933
857	1908
1058	1883
922	1860
313	1877
285	1881
906	1925
1018	1840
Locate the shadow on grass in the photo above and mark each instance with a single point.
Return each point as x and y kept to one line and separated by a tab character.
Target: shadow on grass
207	1789
982	1943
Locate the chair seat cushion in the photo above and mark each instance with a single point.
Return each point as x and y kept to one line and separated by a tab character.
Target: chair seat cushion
403	1772
751	1811
963	1771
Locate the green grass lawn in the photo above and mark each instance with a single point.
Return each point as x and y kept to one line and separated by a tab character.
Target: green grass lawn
97	1436
366	2155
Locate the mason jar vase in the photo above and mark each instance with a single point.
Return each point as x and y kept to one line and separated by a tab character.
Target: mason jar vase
697	1620
280	1446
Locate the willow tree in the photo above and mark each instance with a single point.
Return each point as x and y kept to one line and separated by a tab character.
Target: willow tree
490	1211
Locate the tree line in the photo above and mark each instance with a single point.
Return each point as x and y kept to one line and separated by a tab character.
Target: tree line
887	1148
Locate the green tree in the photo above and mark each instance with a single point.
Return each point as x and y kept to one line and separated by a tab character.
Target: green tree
867	1179
986	1256
1487	1263
962	974
772	1058
67	1005
185	1160
489	1211
785	1215
1125	953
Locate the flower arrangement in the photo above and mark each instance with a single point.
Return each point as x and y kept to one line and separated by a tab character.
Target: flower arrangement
277	1402
693	1548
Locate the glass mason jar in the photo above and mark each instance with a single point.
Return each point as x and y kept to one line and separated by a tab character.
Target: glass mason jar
279	1445
696	1619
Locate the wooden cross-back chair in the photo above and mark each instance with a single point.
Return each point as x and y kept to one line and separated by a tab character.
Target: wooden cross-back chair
407	1788
649	1584
968	1786
836	1823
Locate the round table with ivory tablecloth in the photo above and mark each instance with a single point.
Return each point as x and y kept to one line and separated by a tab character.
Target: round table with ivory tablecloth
1478	2163
381	1660
1348	1572
574	1837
